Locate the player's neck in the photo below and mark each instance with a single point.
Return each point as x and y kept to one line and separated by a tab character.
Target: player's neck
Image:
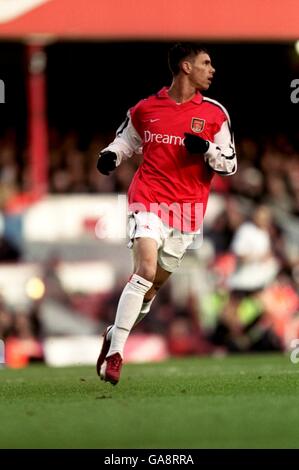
181	91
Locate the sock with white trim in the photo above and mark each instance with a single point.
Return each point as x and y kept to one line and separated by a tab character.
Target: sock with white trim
128	310
145	308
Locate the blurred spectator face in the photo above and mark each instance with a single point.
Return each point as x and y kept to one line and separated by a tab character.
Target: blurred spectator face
61	181
23	326
124	175
70	141
76	170
277	192
180	338
276	185
293	173
248	148
234	213
273	161
98	182
55	159
295	274
252	182
6	322
262	217
7	192
74	159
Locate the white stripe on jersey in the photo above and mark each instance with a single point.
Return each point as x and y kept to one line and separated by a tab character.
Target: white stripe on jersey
216	103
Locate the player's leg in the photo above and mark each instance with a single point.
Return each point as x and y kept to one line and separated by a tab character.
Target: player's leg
129	306
145	233
168	259
160	278
132	297
170	256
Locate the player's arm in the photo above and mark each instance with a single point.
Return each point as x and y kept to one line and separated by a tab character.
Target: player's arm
226	162
126	143
220	155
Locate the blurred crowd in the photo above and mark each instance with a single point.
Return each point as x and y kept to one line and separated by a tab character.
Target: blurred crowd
251	302
267	172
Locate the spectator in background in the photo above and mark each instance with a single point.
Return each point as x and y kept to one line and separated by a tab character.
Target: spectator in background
277	193
252	245
23	345
6	321
256	268
222	228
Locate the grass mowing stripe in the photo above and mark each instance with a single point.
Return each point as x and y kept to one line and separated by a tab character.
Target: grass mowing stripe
232	402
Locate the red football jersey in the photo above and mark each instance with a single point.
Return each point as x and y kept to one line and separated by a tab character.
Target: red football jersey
169	174
170	181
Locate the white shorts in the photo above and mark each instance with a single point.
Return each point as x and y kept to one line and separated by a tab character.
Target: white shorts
172	244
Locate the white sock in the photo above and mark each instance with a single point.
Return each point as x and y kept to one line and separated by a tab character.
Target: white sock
145	308
128	309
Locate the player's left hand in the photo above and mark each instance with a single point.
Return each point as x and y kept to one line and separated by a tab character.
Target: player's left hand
195	144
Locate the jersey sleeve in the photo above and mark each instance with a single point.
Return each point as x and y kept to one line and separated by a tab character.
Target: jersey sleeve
127	141
221	155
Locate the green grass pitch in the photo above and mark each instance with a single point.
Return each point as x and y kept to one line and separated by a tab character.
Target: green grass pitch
232	402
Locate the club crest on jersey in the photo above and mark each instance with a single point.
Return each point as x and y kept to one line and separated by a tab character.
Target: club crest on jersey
197	124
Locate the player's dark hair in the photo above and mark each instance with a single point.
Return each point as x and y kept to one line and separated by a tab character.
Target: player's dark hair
181	51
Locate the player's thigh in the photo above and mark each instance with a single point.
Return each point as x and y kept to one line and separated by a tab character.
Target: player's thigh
145	252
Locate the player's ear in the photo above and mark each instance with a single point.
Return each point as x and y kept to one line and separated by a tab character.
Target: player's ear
186	66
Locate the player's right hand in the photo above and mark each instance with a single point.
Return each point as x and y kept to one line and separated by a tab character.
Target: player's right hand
106	162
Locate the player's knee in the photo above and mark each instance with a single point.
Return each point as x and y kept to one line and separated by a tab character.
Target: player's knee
147	271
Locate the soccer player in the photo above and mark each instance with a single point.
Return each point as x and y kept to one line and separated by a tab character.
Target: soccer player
185	138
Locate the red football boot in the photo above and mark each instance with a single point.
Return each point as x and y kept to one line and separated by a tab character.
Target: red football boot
110	370
104	350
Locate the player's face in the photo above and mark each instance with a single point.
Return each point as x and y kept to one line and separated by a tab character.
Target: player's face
202	71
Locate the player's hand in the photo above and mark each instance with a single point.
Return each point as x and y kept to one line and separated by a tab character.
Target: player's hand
106	162
195	144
